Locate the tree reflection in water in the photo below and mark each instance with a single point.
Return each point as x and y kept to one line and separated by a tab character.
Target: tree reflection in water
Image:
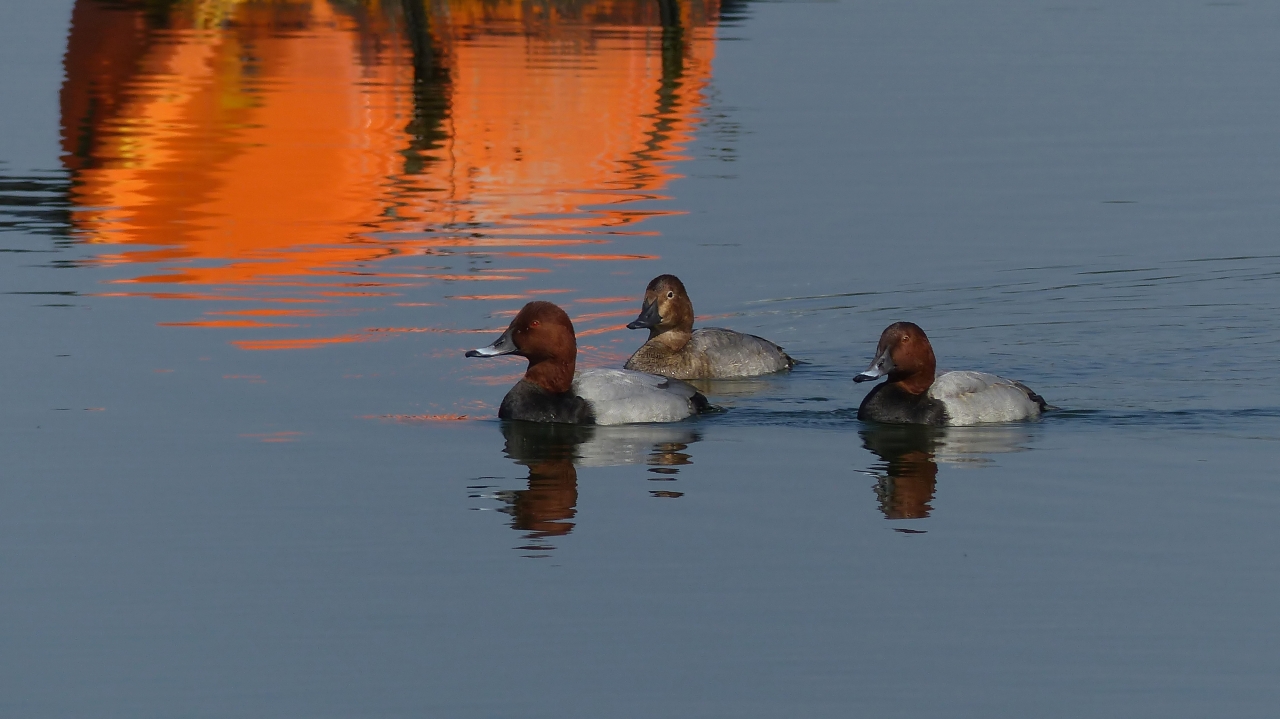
271	153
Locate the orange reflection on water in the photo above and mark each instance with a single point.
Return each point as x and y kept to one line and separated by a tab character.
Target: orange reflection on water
225	323
274	437
205	297
277	146
274	313
307	343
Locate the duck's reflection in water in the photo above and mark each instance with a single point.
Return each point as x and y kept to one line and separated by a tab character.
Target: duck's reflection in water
554	452
907	474
547	507
734	388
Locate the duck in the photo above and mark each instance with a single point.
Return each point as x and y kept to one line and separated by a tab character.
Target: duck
914	395
676	350
552	391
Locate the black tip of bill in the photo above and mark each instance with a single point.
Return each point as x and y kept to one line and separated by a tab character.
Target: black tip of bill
648	318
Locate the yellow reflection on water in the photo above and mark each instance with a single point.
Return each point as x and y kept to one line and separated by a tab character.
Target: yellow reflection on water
270	151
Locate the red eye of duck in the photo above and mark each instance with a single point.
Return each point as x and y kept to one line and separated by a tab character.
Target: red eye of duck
533	324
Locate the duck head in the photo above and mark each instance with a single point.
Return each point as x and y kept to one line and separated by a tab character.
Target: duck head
905	356
543	334
666	312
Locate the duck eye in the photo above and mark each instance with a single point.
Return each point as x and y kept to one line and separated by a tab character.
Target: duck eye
533	324
670	294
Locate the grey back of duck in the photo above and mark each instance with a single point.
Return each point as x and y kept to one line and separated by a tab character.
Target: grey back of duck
712	353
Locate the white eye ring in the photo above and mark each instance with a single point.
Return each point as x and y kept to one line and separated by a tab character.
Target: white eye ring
671	293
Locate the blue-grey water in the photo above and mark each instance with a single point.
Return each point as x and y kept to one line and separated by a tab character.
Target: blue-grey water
243	247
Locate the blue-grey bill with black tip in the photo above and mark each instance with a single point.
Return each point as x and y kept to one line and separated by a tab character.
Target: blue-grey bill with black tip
649	317
880	366
504	345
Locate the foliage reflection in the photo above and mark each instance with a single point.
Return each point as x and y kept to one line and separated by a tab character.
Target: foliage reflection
287	150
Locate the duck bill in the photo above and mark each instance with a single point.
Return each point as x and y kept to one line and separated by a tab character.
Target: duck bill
648	318
504	345
880	366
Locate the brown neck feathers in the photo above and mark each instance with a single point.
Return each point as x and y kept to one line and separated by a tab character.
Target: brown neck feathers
552	374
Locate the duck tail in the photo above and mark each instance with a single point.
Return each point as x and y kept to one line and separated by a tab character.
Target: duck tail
1034	397
699	402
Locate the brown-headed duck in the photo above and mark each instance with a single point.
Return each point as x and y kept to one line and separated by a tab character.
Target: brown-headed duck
552	392
913	395
676	350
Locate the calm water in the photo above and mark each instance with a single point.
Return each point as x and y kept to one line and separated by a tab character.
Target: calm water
249	472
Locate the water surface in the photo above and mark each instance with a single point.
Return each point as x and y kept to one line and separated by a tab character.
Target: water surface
250	471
